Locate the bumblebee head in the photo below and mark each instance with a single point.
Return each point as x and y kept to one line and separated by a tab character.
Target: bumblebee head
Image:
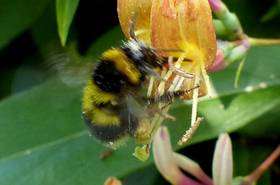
142	55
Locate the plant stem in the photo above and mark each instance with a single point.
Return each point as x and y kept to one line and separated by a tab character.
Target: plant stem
255	175
262	42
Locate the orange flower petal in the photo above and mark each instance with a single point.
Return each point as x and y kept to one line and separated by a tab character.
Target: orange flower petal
141	8
184	24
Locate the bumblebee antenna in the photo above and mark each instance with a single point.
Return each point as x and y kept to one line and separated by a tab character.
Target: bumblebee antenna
132	27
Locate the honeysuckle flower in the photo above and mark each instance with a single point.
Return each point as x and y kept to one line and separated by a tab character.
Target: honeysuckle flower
170	163
188	26
228	19
222	168
228	28
216	5
228	53
219	63
184	26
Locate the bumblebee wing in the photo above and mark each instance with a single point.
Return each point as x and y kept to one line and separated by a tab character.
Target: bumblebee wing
72	68
139	118
135	105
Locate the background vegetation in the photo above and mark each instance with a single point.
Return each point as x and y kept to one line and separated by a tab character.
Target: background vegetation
42	137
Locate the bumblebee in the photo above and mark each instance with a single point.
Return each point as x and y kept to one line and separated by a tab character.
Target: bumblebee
113	105
114	88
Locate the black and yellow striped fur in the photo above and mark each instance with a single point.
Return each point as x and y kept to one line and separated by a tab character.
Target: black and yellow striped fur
120	74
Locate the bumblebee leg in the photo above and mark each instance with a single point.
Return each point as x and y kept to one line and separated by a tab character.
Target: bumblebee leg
168	97
151	72
106	154
159	110
132	27
143	131
165	115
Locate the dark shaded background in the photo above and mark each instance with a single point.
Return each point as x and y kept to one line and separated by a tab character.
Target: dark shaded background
91	20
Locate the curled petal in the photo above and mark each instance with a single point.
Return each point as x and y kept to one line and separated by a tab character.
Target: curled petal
222	161
219	63
165	161
192	168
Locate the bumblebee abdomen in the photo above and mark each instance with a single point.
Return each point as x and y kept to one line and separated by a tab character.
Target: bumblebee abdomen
106	120
97	105
106	133
111	132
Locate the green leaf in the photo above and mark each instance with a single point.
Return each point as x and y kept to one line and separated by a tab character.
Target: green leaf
44	140
32	124
272	12
136	178
257	129
16	16
225	114
65	11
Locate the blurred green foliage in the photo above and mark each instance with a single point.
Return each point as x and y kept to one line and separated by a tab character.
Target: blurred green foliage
42	136
273	12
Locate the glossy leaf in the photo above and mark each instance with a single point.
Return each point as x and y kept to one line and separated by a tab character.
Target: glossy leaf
16	16
65	11
45	141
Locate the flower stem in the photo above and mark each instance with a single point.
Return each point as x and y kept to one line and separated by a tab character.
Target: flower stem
255	175
262	42
238	72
